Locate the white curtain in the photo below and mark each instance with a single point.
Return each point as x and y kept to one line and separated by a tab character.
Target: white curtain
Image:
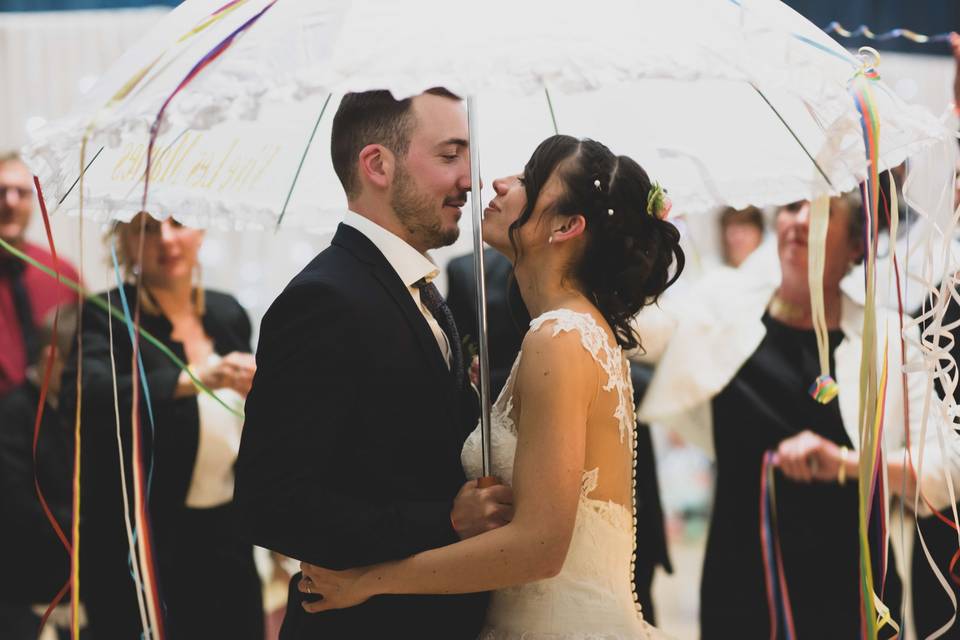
48	58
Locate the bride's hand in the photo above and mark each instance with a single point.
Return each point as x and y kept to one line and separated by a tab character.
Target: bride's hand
336	589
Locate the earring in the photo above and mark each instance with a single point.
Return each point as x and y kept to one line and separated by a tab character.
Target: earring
199	298
550	240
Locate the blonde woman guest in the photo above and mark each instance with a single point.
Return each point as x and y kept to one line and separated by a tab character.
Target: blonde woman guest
208	581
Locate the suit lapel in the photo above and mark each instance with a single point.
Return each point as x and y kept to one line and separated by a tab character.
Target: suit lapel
364	250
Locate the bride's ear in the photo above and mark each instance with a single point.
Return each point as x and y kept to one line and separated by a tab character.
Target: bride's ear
570	227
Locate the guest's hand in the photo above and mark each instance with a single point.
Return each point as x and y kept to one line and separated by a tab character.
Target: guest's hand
477	510
234	371
806	457
336	589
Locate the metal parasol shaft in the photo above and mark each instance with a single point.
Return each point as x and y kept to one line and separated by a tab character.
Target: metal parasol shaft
477	213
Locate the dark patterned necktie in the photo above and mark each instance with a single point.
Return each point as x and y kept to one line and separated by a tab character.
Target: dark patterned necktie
15	270
435	304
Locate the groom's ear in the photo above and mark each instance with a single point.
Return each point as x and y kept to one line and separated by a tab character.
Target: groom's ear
377	165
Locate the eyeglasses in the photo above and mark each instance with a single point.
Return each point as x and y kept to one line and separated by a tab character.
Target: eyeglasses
23	192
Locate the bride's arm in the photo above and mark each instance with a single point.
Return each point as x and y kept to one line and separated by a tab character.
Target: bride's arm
557	382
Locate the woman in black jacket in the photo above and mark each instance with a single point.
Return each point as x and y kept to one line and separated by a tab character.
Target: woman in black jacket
207	580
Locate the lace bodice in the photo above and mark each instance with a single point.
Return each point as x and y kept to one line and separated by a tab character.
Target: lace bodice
592	597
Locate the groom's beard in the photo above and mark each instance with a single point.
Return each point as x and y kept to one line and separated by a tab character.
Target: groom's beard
418	213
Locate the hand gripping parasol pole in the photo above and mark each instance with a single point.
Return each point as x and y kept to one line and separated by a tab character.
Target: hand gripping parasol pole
477	214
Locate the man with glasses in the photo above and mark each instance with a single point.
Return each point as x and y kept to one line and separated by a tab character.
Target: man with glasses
27	294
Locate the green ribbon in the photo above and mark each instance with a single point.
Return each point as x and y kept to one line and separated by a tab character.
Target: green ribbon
116	313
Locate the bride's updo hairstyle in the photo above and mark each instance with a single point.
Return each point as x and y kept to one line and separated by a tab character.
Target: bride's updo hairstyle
631	249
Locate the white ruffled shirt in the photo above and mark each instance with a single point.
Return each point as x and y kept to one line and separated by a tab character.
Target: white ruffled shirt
212	482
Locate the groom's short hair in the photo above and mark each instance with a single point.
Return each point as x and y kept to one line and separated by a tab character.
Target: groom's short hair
371	117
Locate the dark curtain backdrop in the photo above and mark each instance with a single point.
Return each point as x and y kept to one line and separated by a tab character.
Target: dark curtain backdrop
73	5
923	16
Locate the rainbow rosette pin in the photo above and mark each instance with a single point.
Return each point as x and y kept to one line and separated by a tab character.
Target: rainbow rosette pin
824	389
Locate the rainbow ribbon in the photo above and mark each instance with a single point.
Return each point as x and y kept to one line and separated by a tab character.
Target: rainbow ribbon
202	64
863	31
144	539
775	578
41	405
873	384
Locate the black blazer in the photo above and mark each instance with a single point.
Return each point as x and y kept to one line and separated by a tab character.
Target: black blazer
651	534
108	588
35	562
351	448
507	317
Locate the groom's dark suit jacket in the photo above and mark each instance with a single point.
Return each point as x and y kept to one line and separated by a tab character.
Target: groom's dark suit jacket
351	447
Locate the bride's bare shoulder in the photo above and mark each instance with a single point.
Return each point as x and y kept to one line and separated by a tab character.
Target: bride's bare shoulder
555	351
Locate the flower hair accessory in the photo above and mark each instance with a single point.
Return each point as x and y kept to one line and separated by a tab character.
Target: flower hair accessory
658	204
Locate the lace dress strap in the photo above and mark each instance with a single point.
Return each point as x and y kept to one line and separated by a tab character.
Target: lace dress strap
610	358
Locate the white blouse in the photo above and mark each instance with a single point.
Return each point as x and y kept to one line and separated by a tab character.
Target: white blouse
212	481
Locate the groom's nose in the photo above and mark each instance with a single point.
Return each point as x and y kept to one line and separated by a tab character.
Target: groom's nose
465	183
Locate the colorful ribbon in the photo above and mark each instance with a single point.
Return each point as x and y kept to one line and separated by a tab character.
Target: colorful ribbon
874	614
863	31
775	578
142	538
102	304
128	527
202	64
824	388
41	406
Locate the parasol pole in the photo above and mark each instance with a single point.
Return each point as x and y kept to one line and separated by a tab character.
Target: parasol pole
478	270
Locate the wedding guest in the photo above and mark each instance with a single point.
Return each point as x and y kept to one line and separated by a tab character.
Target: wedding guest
932	608
735	378
741	232
35	562
26	293
207	577
507	317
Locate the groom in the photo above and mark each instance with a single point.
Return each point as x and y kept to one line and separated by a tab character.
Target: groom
360	405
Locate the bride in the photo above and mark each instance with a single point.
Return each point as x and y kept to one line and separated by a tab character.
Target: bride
587	234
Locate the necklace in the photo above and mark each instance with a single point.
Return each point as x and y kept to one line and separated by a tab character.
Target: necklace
785	311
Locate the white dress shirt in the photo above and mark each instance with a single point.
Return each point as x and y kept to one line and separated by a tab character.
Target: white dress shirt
411	265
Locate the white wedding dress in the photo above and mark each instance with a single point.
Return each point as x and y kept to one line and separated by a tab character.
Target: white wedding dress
592	598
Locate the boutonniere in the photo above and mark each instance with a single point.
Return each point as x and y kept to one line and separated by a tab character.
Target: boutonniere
469	348
471	355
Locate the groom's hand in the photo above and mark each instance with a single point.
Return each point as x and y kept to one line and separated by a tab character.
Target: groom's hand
478	510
